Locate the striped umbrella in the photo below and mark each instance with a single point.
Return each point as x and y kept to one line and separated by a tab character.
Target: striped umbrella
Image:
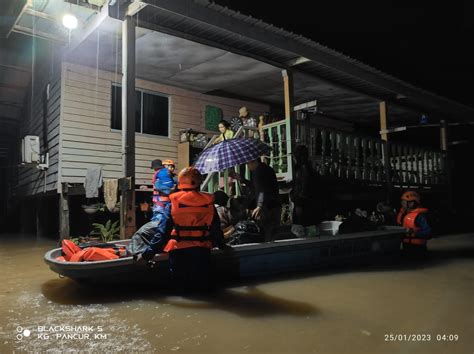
230	153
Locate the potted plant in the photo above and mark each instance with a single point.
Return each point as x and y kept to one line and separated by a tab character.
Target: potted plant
107	231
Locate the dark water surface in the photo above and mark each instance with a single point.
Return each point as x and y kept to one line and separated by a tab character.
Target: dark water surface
344	310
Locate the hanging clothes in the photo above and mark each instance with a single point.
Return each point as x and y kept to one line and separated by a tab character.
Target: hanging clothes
110	193
93	181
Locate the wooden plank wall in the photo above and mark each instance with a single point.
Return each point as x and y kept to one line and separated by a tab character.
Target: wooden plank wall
86	136
31	180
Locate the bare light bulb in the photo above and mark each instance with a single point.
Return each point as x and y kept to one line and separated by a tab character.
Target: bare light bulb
70	21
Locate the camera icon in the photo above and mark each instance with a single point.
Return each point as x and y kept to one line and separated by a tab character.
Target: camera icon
22	332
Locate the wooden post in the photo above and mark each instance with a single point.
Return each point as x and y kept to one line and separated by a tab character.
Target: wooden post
383	120
127	207
447	162
443	136
127	202
64	213
39	217
289	116
386	150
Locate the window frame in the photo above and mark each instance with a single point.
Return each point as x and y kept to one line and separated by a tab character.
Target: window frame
142	91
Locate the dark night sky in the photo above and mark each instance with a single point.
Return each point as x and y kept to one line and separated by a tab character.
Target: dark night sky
426	44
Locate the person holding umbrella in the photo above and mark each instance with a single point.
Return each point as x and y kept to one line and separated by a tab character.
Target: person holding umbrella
265	205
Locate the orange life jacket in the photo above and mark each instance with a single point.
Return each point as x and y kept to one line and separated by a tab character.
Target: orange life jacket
78	256
99	254
69	248
192	213
409	224
92	254
73	253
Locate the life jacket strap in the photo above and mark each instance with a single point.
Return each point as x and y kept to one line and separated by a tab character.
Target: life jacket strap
191	238
179	228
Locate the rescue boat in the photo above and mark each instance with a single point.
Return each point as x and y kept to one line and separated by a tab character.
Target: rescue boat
245	261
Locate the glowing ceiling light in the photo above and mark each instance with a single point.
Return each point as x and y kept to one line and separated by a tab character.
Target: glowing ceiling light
70	21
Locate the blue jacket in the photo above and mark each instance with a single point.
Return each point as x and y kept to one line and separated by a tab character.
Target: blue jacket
425	229
165	181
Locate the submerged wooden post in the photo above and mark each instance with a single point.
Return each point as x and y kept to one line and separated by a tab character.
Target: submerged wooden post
64	213
127	202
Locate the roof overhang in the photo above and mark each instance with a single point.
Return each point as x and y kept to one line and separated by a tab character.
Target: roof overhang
205	22
208	48
178	61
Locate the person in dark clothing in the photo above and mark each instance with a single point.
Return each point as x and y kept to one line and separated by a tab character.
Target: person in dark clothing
141	239
266	207
220	202
189	228
307	204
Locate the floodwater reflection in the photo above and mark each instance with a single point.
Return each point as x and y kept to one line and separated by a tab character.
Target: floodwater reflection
348	309
247	301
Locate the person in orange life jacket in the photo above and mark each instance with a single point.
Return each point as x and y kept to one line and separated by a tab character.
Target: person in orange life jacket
190	228
413	218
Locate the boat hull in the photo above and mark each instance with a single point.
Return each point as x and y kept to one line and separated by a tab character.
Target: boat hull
245	261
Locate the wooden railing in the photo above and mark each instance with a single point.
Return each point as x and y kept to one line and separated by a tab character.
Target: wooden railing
277	136
346	155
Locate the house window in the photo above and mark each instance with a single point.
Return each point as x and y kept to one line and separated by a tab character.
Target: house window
151	112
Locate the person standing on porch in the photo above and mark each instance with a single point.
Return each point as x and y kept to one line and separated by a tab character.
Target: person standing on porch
244	119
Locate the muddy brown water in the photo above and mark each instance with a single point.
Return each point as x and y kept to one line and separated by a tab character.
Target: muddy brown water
343	310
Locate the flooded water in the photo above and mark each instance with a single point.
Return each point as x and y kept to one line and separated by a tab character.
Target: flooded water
345	310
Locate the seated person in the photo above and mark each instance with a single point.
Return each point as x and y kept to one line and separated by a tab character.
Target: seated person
220	202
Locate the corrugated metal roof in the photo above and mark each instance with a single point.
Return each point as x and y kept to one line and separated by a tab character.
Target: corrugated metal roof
202	20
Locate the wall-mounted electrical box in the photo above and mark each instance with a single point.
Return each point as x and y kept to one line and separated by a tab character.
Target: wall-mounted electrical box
30	149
